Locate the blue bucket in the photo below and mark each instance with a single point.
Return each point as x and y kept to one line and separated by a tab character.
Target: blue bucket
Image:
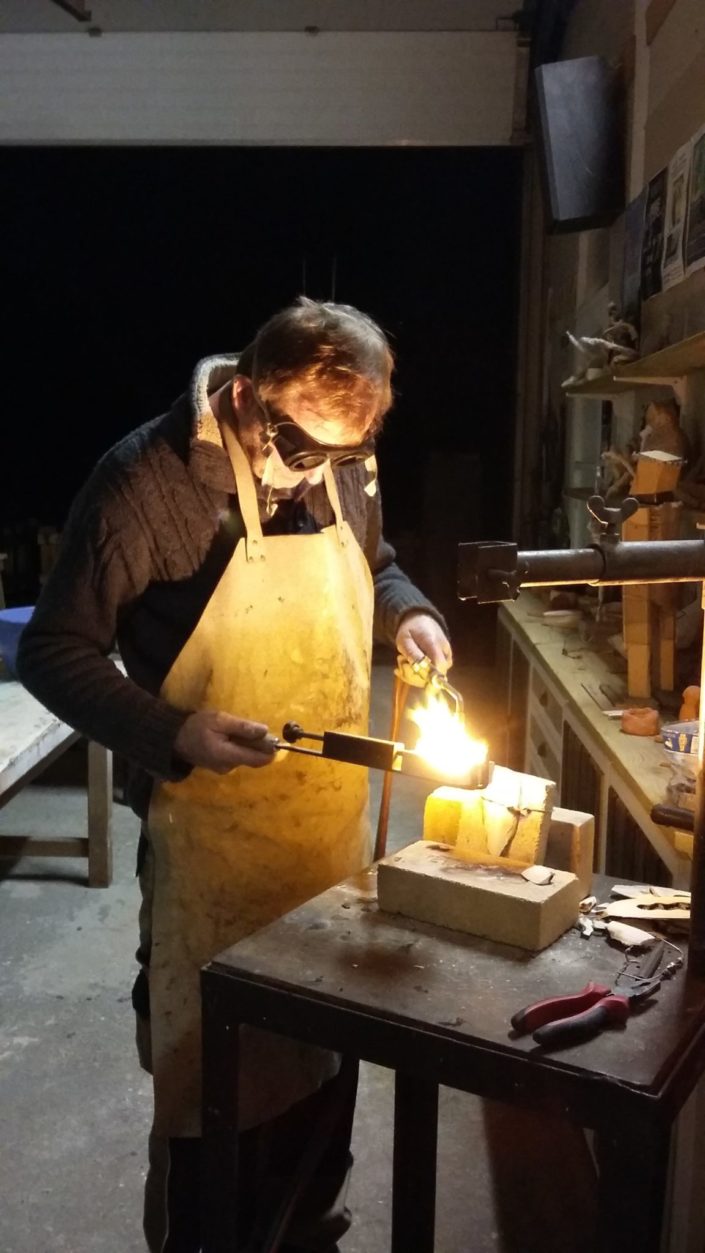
12	624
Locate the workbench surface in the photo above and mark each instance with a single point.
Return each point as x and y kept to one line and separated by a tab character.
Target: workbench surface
28	732
435	1006
584	673
30	739
341	949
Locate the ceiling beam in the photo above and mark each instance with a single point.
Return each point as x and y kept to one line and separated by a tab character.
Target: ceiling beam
77	9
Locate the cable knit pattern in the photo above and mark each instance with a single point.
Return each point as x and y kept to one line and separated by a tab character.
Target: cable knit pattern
145	544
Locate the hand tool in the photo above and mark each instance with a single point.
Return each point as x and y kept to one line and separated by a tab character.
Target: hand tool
377	754
423	673
408	674
569	1019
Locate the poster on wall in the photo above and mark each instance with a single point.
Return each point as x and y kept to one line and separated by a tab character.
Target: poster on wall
695	231
673	265
631	271
654	222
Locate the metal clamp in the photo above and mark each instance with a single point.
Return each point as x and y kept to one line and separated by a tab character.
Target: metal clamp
611	519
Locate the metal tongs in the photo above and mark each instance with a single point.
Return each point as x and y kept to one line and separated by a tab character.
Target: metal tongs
423	673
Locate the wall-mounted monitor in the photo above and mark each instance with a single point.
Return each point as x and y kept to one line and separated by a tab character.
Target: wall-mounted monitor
581	133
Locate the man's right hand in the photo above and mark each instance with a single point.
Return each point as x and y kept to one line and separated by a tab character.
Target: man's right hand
220	742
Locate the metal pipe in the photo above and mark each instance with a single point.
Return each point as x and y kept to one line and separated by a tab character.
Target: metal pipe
638	561
559	565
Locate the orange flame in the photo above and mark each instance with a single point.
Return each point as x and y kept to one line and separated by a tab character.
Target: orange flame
444	741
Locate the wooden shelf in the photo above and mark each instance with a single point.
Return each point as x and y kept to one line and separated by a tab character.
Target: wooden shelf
658	368
669	363
603	388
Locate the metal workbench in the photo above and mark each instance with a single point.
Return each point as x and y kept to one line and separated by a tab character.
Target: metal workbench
434	1006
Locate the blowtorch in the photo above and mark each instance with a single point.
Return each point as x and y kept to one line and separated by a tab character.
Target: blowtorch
390	755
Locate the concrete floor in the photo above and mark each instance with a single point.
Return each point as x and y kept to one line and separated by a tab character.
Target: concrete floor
76	1107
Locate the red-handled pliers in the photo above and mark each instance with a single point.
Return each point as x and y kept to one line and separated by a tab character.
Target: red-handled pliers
567	1019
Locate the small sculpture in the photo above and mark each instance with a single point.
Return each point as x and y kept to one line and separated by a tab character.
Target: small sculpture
622	334
662	431
619	470
617	343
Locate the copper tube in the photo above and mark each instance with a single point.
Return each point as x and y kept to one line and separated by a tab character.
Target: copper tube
401	691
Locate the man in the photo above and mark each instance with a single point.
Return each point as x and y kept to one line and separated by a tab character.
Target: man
233	549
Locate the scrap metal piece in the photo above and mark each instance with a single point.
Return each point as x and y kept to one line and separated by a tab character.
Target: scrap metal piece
540	875
630	937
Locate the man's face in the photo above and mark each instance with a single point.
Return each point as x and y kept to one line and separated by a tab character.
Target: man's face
266	460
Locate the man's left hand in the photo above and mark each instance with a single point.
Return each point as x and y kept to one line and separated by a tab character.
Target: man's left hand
420	636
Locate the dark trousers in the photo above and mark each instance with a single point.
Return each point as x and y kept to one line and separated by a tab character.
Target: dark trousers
269	1157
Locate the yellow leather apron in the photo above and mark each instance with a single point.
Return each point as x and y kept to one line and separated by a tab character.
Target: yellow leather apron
287	634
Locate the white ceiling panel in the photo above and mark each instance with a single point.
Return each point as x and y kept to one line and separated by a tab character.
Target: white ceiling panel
37	16
212	87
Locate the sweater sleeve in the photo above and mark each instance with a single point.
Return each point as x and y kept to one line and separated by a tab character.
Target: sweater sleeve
395	594
63	660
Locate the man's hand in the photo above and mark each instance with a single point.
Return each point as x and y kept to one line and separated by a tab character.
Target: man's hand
220	742
419	636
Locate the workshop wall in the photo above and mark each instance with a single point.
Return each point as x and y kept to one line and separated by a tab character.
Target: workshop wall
676	109
259	87
658	48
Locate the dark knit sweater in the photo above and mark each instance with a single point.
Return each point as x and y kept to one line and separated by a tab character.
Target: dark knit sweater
145	544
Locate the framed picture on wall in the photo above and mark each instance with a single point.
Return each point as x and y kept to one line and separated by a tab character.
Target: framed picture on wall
673	265
654	225
695	230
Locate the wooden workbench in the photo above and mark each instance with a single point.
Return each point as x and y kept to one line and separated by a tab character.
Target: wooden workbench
434	1006
30	739
556	688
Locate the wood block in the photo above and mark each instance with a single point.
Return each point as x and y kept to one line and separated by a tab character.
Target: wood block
655	471
443	813
430	883
571	842
510	817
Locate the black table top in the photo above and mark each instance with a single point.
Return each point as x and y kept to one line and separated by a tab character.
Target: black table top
341	951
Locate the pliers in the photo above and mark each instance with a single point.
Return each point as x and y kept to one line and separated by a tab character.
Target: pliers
568	1019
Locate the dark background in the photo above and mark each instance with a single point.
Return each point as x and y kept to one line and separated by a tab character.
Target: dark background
123	266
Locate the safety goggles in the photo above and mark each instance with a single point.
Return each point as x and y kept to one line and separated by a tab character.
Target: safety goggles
300	451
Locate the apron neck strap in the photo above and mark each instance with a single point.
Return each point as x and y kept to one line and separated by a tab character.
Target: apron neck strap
334	498
249	504
246	495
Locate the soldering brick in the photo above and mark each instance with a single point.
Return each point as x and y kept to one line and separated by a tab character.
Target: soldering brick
510	817
431	884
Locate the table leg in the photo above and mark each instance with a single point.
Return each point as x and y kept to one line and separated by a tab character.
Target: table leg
100	816
633	1176
220	1138
415	1142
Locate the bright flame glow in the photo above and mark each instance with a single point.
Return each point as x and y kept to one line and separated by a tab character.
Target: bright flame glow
444	741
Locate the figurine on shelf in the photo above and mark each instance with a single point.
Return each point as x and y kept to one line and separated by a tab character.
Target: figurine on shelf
593	359
622	335
662	431
617	343
619	471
